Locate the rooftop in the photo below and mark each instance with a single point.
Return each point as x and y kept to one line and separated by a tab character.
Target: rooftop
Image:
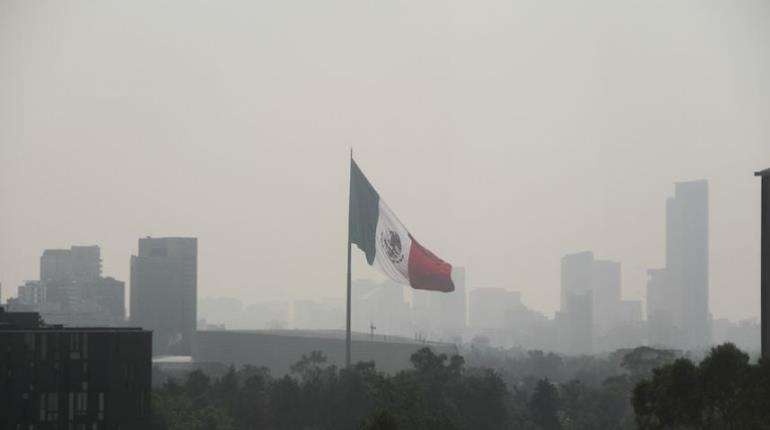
26	321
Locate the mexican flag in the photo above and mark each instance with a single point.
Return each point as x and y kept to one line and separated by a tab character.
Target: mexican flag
376	230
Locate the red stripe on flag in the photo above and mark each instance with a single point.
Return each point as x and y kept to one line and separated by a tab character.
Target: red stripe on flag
428	272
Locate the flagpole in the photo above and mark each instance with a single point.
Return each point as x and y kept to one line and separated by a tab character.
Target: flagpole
347	325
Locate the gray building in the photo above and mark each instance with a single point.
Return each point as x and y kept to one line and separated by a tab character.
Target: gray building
677	295
164	291
489	306
72	291
575	324
687	258
77	264
581	273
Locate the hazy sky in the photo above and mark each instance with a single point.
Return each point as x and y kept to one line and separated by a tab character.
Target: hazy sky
503	133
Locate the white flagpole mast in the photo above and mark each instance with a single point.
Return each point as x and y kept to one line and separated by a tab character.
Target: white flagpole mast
347	326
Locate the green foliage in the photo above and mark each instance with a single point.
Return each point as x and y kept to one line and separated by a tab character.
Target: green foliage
438	393
724	391
643	388
544	405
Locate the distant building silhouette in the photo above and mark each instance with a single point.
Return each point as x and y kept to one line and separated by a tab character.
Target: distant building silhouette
324	314
77	264
164	291
71	290
687	258
31	293
452	306
234	314
677	295
380	304
575	323
581	273
73	377
442	315
489	306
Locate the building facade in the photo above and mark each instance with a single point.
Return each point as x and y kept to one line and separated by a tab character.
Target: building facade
164	289
677	295
55	377
77	264
72	291
584	276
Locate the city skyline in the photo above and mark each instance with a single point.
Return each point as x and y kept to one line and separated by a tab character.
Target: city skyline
190	127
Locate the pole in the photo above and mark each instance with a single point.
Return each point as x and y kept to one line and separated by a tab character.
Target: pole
764	295
765	265
347	325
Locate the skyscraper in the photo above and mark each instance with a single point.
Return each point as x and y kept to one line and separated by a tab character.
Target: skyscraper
687	259
677	295
164	291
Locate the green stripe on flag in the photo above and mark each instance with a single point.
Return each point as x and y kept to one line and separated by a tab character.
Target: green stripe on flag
364	210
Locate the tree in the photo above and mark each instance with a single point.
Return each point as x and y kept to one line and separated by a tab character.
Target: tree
722	375
641	361
382	420
544	405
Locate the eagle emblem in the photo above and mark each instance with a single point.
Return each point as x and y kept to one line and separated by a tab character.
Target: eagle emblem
391	243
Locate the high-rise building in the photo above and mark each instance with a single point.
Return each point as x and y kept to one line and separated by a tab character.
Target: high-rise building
686	276
77	264
55	377
31	293
164	291
580	274
575	323
72	291
662	305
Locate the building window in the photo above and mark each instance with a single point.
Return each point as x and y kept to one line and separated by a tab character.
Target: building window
84	346
43	346
101	407
53	407
81	408
49	406
74	346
